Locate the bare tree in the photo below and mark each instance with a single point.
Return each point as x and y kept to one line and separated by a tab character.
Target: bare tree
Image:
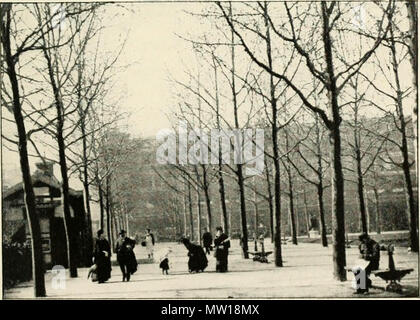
330	14
412	8
9	61
396	134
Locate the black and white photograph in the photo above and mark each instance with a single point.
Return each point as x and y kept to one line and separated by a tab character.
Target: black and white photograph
171	150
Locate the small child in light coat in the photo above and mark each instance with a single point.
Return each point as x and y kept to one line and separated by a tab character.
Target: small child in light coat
164	260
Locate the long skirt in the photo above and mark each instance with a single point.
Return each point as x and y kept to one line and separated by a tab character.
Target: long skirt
103	269
197	259
149	247
222	260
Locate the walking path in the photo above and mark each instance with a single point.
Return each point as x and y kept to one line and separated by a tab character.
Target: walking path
307	272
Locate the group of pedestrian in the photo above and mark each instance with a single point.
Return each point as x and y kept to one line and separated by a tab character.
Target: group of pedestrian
127	261
220	245
126	257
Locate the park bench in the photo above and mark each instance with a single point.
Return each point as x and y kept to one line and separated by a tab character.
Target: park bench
392	274
260	256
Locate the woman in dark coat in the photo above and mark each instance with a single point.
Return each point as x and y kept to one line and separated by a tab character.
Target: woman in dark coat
102	257
222	245
197	258
207	241
125	255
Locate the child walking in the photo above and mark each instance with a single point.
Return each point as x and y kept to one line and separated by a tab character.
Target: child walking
164	261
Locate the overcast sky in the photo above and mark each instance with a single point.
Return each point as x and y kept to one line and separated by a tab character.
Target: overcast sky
154	51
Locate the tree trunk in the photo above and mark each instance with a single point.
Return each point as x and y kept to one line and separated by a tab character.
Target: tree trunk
277	202
412	16
184	232
198	216
367	210
322	226
223	199
224	217
255	217
126	220
291	194
68	223
292	209
338	222
361	194
108	212
305	208
32	216
101	205
378	213
243	212
207	196
87	228
88	215
114	228
270	202
412	210
239	172
191	212
320	187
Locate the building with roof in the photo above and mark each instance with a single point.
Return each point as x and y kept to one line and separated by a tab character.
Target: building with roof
49	207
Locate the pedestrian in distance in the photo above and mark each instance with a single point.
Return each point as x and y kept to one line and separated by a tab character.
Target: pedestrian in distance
207	241
125	255
150	243
102	257
222	245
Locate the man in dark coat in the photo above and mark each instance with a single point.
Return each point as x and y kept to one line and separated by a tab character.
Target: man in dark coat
102	257
222	245
125	255
369	251
207	241
197	258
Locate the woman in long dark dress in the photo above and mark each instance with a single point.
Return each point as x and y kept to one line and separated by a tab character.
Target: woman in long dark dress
197	261
222	245
102	257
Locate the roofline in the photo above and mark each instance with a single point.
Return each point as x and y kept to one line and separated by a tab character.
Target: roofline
35	178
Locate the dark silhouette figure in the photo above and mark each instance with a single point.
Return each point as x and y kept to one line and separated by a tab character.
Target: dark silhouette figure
125	255
207	241
102	258
197	258
222	245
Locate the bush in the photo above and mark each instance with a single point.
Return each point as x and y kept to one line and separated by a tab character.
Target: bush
17	263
